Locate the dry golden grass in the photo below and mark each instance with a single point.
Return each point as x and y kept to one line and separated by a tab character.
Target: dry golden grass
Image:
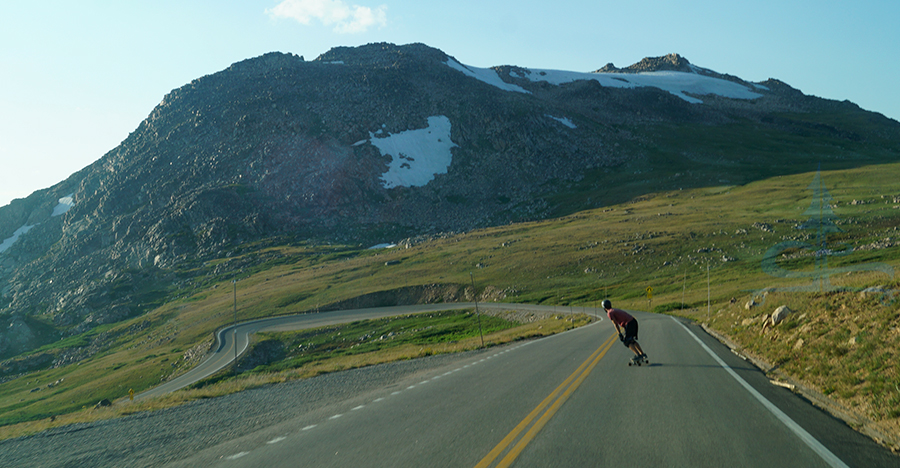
841	344
665	241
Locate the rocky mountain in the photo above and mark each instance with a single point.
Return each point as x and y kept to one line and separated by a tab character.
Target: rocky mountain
671	62
381	142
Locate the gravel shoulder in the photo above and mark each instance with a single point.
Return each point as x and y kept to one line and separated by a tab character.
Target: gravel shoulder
156	438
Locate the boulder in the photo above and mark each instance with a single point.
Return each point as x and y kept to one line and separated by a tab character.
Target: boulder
780	314
872	291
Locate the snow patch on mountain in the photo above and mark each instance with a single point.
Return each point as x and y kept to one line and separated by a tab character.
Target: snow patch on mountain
678	83
486	75
64	204
563	120
9	241
417	155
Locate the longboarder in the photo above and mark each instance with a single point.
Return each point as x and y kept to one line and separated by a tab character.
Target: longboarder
624	322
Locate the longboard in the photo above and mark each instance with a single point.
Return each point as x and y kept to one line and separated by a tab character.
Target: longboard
638	362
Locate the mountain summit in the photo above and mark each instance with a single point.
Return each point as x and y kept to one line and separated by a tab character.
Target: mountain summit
380	142
670	62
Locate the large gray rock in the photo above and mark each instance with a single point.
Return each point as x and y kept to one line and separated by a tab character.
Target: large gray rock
780	314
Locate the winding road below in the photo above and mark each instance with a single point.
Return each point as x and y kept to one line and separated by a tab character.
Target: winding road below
565	400
233	340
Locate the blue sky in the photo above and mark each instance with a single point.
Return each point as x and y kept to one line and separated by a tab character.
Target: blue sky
77	76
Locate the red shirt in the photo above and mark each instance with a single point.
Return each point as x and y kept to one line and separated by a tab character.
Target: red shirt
619	317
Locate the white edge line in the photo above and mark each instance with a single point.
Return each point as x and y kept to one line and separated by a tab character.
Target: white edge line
810	441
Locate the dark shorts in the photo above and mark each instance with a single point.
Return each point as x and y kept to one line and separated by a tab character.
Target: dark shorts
631	332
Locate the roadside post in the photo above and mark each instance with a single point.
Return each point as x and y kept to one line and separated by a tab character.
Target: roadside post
477	315
234	327
708	294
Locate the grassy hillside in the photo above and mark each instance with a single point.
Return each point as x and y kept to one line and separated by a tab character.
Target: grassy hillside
693	247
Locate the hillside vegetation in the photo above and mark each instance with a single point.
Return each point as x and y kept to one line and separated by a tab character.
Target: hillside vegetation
702	251
276	150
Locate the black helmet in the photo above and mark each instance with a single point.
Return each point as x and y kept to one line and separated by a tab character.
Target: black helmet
606	304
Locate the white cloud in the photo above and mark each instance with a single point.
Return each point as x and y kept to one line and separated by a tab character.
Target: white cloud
345	18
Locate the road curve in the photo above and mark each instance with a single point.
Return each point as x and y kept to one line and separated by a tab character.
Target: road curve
234	340
564	400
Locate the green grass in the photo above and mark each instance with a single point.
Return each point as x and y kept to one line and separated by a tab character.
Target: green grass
377	335
686	244
76	341
324	350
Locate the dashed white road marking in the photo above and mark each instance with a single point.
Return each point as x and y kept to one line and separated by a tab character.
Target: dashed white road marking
336	416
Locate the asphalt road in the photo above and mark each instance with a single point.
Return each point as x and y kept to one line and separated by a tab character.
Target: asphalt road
233	340
568	400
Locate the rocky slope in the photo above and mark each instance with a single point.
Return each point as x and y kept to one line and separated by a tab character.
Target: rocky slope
380	142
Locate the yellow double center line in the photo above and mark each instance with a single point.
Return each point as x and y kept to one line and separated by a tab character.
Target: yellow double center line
545	410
